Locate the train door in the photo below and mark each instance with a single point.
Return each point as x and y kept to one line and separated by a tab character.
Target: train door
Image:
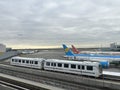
83	69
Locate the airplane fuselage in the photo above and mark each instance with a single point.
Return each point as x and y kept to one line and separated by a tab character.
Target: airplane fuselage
109	58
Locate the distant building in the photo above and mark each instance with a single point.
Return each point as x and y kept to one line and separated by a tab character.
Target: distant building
8	49
2	48
115	47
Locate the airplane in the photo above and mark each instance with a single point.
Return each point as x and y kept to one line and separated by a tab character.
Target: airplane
76	51
103	59
27	51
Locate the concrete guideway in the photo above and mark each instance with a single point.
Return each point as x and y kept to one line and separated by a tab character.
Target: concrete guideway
4	87
80	80
111	73
11	86
30	82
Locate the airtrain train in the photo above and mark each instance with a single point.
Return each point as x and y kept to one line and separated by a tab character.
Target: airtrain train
74	67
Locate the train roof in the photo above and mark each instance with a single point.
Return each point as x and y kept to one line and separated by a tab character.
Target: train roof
25	58
72	62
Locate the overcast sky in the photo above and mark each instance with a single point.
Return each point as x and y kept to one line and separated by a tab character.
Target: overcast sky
49	23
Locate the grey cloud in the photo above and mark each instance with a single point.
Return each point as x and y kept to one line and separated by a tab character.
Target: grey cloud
52	22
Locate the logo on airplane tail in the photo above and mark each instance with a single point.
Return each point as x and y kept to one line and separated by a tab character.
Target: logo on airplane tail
67	49
75	50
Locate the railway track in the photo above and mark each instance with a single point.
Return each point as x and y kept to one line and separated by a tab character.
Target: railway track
12	86
50	81
45	78
111	78
103	77
16	85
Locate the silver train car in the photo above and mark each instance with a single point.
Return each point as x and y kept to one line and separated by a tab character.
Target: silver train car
74	67
27	62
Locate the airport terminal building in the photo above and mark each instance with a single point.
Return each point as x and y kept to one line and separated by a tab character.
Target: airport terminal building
2	48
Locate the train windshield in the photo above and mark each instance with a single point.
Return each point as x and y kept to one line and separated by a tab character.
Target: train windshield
100	68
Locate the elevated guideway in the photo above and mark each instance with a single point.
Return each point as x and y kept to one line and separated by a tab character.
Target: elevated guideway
31	85
60	79
111	73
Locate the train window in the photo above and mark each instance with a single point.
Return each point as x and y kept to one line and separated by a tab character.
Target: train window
12	60
59	64
83	67
54	64
23	61
89	67
31	62
78	66
27	61
36	62
66	65
73	66
51	64
19	60
48	63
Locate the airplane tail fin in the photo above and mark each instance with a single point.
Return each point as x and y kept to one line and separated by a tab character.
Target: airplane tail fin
75	50
67	50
